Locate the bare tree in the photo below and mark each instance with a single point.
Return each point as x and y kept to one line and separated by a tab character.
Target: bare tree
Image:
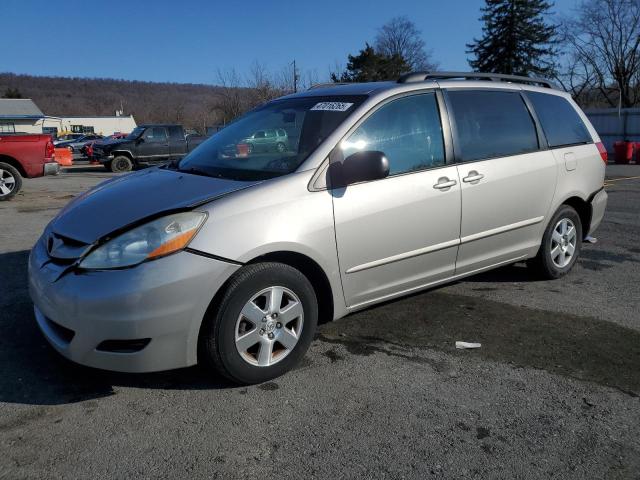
603	38
229	101
400	36
262	86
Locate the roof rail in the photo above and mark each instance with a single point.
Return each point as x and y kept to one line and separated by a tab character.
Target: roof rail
326	84
495	77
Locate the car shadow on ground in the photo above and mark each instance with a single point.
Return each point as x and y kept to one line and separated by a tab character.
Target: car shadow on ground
577	347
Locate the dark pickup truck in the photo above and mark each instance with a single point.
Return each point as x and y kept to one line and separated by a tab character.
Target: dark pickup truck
146	145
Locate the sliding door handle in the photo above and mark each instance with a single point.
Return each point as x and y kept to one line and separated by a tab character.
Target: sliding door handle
473	177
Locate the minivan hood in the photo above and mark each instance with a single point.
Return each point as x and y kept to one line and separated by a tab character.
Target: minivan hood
123	201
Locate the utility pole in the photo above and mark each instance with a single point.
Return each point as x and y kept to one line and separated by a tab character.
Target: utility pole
295	77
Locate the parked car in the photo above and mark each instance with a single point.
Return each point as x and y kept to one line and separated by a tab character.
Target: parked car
25	156
267	140
76	144
67	137
147	144
392	188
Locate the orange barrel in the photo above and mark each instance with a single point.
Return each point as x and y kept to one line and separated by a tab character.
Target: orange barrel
64	157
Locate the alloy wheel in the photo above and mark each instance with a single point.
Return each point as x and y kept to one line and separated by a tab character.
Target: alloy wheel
7	182
269	326
563	243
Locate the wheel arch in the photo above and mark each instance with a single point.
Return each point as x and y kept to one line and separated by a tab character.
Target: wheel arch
14	163
123	153
583	208
310	269
306	265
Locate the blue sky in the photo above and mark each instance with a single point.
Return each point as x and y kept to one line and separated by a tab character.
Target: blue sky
187	41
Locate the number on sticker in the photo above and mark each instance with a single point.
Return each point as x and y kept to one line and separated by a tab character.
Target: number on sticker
332	106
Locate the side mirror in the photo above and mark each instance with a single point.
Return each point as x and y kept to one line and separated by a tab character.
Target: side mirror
359	167
139	140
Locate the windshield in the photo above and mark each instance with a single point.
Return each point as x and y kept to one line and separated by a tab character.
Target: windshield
271	140
135	133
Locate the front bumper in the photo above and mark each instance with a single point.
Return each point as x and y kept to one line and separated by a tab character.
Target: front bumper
598	206
51	168
101	156
163	300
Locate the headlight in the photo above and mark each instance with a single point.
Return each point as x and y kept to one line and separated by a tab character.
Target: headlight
152	240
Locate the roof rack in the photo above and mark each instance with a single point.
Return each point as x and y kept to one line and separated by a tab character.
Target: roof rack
326	84
495	77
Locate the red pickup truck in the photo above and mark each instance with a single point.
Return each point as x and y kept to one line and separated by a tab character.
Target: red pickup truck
24	156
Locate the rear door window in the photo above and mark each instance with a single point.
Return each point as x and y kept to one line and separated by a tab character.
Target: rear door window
491	124
176	133
560	122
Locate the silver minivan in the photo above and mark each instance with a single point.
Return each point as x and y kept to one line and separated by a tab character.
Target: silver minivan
384	189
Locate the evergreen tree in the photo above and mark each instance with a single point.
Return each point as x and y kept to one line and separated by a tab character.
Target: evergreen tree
516	39
12	93
370	66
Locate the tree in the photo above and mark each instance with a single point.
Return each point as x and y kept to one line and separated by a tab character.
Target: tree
400	36
603	40
370	66
12	93
515	39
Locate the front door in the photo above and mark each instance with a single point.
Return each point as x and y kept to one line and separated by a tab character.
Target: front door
400	233
507	180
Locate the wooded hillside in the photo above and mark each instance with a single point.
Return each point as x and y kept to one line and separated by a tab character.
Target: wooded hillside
193	105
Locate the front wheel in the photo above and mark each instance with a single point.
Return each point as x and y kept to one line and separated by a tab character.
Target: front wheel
263	324
121	164
561	244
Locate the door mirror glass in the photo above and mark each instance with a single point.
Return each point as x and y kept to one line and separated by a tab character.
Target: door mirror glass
359	167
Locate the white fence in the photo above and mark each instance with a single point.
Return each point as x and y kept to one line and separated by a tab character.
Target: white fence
613	125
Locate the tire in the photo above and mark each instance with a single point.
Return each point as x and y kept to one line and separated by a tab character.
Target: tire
558	252
227	337
281	147
10	181
249	148
120	164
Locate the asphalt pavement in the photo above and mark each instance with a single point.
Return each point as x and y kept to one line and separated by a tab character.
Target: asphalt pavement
552	393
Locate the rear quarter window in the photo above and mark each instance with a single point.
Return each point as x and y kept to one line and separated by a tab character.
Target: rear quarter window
491	124
560	122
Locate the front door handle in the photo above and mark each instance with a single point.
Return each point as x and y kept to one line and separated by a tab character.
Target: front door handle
444	183
473	177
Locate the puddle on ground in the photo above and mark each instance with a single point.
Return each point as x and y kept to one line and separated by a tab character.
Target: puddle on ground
578	347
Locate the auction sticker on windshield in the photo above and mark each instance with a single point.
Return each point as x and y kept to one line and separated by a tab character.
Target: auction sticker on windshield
332	106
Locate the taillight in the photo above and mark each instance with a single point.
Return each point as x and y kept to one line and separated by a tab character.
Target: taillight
603	152
49	150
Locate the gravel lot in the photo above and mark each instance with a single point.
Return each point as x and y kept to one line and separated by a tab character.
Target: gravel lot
553	392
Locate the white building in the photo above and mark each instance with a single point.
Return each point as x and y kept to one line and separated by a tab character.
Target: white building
22	115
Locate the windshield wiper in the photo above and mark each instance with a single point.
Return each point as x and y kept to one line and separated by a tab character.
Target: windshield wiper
198	171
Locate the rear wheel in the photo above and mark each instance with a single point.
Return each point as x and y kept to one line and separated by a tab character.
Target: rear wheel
281	147
263	324
121	164
561	244
10	181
